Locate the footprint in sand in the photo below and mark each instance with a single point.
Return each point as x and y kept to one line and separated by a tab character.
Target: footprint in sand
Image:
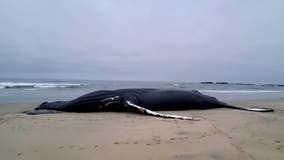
120	142
183	133
179	138
72	146
276	141
280	147
157	139
82	148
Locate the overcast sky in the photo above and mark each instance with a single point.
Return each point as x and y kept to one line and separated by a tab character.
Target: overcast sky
190	40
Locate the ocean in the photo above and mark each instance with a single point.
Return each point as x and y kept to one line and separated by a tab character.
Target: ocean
38	90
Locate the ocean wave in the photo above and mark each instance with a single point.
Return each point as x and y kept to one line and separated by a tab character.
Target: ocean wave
176	84
4	85
241	91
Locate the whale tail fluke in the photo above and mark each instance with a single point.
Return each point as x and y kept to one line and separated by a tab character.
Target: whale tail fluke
258	109
254	109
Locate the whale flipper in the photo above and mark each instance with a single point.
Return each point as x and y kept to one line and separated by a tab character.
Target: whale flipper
157	114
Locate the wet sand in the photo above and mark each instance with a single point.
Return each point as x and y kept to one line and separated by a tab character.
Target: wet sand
224	134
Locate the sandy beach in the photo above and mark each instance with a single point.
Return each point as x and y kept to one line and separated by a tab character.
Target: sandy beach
224	134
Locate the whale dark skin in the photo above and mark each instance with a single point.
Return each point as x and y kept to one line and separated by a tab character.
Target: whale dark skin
141	100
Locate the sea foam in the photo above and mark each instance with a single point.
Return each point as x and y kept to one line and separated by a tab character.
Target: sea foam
4	85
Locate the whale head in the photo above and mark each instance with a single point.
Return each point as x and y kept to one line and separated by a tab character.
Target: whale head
57	105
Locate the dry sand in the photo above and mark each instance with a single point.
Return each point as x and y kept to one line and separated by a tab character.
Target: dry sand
225	134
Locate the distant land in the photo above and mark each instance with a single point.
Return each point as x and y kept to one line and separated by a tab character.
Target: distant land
247	84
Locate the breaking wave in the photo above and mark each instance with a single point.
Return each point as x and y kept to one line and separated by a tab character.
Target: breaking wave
4	85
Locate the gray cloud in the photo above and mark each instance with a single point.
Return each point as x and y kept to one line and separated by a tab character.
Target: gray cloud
143	40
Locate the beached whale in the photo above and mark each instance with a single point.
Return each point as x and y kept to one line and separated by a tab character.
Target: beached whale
141	100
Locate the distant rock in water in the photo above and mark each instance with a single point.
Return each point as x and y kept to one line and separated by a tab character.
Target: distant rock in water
269	85
20	86
225	83
273	85
222	83
206	82
245	84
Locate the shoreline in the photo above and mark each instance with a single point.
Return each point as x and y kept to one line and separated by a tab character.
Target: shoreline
223	134
15	107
